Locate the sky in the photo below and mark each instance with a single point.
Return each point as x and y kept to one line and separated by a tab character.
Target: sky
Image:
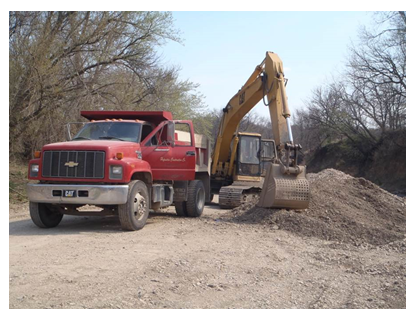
221	50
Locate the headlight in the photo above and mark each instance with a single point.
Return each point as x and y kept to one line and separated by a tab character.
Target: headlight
116	172
34	170
117	169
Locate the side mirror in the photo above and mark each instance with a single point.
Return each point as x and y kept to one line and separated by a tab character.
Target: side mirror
171	133
68	133
76	126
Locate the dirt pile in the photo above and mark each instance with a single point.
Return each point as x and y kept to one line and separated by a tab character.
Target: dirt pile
342	208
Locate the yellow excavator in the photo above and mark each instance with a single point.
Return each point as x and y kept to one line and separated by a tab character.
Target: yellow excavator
245	166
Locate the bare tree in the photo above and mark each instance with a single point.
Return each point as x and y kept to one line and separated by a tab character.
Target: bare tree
370	100
61	62
377	72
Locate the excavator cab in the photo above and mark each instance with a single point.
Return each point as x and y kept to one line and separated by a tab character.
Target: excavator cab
248	156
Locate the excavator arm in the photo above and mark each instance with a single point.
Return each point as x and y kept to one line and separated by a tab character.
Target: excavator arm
268	81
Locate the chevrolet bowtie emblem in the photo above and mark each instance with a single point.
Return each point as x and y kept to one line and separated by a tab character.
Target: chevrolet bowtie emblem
71	164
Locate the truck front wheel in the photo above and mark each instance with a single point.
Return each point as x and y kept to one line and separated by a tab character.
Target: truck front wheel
43	215
133	214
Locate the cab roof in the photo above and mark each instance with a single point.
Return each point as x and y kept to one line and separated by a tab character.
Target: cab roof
155	117
254	134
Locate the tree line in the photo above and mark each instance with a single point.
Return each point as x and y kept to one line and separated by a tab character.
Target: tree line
366	104
64	62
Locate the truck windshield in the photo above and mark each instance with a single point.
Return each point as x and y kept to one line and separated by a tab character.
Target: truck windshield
121	131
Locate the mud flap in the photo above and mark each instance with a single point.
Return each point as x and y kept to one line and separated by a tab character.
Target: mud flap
284	191
180	191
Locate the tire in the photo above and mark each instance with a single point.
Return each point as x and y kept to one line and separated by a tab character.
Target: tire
44	216
134	213
181	209
195	199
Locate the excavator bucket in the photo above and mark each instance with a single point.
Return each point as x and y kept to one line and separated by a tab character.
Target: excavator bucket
284	190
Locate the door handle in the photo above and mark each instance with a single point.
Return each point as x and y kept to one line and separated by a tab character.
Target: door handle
191	153
161	150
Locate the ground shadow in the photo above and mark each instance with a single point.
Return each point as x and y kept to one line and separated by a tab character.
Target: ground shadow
69	225
79	224
92	224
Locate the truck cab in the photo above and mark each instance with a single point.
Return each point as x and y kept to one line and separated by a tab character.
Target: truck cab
124	162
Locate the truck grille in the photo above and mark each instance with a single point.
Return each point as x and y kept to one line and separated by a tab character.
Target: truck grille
73	164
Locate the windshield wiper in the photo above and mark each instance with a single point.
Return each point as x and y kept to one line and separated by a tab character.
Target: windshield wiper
108	137
81	138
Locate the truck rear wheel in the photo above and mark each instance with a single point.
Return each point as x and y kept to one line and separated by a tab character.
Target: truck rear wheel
195	199
134	213
44	216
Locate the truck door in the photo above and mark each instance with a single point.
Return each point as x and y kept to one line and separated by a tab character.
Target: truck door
171	153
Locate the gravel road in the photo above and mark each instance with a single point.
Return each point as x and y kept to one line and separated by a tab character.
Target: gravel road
207	262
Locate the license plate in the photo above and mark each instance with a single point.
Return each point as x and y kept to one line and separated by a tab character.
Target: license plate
69	193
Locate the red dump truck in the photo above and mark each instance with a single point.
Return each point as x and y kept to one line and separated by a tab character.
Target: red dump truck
125	163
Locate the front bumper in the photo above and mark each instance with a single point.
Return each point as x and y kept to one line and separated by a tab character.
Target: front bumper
84	194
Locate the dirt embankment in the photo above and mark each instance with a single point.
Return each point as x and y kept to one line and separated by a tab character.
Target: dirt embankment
342	208
385	165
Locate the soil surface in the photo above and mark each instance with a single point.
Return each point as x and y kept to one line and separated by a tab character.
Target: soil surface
348	250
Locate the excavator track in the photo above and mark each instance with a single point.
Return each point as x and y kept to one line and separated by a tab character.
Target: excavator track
233	196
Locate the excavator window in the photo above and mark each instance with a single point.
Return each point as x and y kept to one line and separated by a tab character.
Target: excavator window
267	155
249	156
249	150
268	149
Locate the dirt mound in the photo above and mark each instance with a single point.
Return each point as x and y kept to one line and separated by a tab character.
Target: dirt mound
342	208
